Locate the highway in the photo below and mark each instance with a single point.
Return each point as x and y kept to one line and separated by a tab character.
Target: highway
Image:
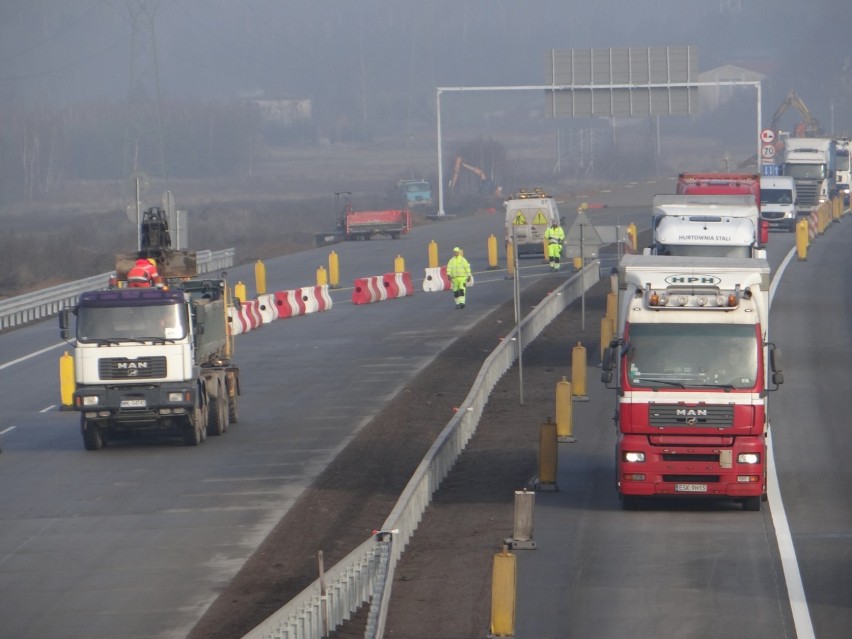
696	568
136	540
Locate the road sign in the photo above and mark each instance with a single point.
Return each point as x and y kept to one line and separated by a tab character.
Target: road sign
767	151
771	169
767	136
582	239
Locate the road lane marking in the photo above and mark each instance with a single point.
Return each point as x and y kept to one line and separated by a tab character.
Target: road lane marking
7	430
789	562
31	355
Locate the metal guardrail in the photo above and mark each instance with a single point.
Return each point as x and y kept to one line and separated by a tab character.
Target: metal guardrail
39	305
366	574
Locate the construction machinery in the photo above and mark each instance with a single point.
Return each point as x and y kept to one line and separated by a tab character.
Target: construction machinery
155	243
364	225
483	184
809	125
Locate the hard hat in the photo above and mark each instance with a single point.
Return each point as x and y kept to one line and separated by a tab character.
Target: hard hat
456	250
152	262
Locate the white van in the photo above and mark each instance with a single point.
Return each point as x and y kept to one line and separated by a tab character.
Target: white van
778	201
528	214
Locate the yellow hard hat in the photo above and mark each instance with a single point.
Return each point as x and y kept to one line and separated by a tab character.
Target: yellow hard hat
152	262
456	250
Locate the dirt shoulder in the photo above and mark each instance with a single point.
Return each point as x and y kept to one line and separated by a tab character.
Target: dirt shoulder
442	583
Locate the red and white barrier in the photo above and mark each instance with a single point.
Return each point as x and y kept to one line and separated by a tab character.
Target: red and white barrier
266	308
398	284
436	280
302	301
237	323
368	290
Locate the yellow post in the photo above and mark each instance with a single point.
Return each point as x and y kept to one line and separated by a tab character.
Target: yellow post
547	455
544	251
67	385
607	332
240	291
802	239
510	259
633	237
611	305
578	372
433	254
564	412
492	252
578	263
333	270
322	276
260	278
503	593
399	264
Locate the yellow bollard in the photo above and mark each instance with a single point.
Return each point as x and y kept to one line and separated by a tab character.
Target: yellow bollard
433	254
547	456
67	385
322	276
564	412
802	239
544	251
578	263
633	237
607	332
492	252
510	259
333	270
240	291
399	264
260	278
504	581
578	372
611	305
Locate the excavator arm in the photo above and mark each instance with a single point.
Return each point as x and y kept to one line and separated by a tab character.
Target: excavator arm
809	125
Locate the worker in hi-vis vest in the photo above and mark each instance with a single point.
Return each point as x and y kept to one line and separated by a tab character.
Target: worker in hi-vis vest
555	237
458	272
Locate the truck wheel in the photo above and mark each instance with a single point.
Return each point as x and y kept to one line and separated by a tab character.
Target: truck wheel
217	415
752	504
195	429
92	436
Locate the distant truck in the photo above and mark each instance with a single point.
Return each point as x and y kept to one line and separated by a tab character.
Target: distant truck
843	178
706	226
777	201
416	192
528	214
692	366
365	225
811	163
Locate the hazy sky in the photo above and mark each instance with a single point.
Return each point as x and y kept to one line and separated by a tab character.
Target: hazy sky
336	50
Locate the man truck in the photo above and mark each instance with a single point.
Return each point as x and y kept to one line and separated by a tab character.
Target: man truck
153	360
691	365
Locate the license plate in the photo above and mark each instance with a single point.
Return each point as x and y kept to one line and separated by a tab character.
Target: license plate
133	403
690	488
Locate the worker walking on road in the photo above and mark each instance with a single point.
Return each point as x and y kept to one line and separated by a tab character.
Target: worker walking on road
458	271
555	237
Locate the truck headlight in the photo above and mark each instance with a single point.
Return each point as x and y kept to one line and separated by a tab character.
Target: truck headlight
748	458
90	400
176	397
634	457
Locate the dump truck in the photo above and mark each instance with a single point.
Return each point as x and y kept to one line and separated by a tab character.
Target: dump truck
152	360
364	225
692	365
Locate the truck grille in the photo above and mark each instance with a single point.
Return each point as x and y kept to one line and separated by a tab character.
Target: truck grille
123	368
806	194
681	415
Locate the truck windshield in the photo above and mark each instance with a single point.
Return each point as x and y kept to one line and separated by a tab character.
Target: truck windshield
110	323
776	196
805	171
691	355
842	161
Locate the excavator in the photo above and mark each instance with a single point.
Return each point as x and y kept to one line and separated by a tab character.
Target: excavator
807	128
485	186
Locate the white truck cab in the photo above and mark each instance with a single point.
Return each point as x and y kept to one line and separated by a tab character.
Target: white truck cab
778	201
528	214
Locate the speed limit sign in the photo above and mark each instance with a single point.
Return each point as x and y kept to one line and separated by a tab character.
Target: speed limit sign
767	151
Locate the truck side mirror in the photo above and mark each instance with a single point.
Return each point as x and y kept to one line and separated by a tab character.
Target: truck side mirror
608	363
64	323
776	365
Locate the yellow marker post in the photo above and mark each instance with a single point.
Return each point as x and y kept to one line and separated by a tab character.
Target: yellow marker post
67	384
399	264
564	412
504	581
492	252
433	254
547	455
578	372
240	291
322	276
333	270
510	259
802	239
260	278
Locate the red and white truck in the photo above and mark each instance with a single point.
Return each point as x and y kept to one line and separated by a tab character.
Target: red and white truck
691	365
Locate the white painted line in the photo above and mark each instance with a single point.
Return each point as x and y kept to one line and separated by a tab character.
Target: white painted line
31	355
48	409
786	550
7	430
